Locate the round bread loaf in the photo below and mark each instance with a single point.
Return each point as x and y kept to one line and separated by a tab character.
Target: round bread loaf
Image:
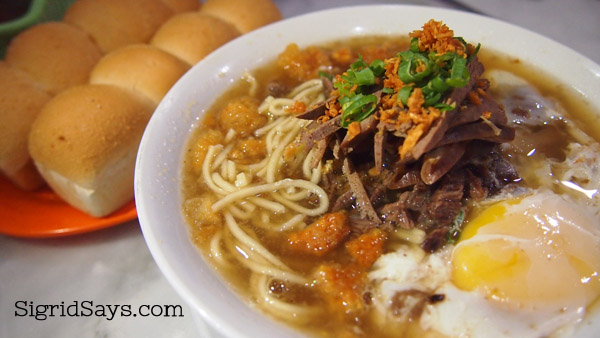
243	14
20	102
193	35
84	143
117	23
179	6
55	54
140	68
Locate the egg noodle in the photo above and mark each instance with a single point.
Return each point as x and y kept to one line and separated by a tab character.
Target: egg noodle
241	189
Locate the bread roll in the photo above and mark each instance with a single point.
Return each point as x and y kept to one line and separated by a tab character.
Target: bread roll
243	14
54	54
20	102
193	35
84	143
142	69
117	23
179	6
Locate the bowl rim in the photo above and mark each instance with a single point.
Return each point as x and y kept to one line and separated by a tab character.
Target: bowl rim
155	171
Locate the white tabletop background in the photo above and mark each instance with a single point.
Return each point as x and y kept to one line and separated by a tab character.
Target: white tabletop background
113	266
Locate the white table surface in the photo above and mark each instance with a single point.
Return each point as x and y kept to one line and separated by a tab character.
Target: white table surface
114	267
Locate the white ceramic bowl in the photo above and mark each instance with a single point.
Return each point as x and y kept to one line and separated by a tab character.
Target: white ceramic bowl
159	162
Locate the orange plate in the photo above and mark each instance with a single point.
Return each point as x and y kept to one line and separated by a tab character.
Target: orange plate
43	214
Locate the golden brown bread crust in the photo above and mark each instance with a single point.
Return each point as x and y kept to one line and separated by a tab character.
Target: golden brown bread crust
20	102
180	6
55	54
85	139
191	36
243	14
140	68
117	23
81	130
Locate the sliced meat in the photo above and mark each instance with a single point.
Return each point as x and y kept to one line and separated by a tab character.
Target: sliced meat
310	136
343	201
395	215
439	161
446	201
320	150
478	131
378	141
472	113
314	112
441	125
362	200
486	161
404	179
435	240
367	126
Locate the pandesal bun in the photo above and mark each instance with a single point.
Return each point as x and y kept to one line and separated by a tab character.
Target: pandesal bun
243	14
55	54
117	23
191	36
140	68
179	6
20	102
84	143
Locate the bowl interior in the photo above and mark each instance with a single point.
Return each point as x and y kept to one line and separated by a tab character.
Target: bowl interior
159	162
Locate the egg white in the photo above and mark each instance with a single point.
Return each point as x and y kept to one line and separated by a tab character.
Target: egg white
475	313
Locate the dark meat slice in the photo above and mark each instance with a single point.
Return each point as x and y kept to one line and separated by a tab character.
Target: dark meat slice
445	202
394	214
440	126
475	187
311	135
362	200
403	178
343	201
276	89
359	226
314	112
378	192
327	85
416	199
319	152
439	161
472	113
487	162
367	126
378	141
435	239
478	131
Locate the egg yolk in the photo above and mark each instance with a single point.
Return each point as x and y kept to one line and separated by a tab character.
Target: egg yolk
539	251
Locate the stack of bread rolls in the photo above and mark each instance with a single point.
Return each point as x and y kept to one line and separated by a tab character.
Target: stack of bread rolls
76	95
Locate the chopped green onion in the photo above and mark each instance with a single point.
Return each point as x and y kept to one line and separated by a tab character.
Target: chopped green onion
474	53
404	94
364	77
414	45
444	106
358	64
378	67
438	84
432	99
358	108
459	75
407	69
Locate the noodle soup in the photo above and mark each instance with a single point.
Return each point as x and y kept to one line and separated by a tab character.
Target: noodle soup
342	228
